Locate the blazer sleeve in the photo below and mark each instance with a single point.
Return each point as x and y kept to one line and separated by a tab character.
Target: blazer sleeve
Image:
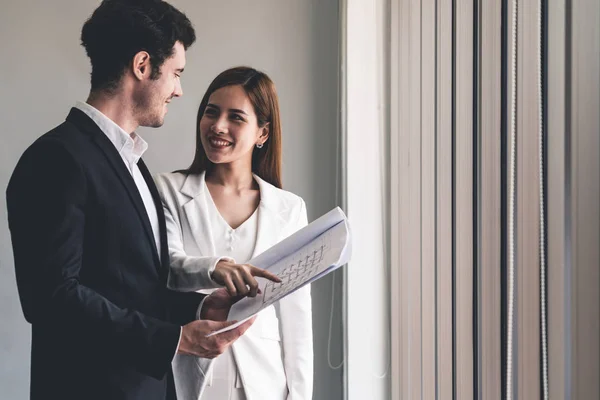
46	200
186	273
295	315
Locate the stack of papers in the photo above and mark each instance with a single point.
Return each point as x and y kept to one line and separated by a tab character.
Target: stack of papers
309	254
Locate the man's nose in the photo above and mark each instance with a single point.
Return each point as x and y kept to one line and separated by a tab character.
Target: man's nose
178	92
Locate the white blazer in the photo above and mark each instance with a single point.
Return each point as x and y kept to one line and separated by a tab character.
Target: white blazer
264	367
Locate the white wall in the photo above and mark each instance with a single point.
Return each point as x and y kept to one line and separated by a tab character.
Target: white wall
43	70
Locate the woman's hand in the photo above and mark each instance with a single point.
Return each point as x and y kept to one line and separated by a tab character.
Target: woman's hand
239	278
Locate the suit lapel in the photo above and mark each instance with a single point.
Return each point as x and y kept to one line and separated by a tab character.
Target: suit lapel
196	213
162	226
79	118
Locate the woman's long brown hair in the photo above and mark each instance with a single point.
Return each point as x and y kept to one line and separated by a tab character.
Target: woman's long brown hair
266	162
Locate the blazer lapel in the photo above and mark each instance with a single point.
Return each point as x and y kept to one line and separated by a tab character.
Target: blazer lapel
196	213
270	222
79	118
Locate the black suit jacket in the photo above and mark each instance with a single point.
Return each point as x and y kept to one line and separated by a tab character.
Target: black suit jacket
90	279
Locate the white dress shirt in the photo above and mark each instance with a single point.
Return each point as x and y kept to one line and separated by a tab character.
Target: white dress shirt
131	148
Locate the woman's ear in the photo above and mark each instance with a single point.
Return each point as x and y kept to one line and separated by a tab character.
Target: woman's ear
266	130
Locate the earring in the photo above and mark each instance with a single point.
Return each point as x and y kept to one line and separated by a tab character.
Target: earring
259	145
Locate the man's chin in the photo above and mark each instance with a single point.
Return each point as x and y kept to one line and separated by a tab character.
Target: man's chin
154	123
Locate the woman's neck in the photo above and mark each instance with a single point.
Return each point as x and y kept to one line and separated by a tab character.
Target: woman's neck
228	175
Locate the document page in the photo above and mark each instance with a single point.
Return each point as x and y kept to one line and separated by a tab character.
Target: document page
307	255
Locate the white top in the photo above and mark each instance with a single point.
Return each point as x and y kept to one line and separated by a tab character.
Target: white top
237	244
131	148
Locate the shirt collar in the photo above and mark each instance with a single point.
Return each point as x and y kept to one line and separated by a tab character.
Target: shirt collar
130	147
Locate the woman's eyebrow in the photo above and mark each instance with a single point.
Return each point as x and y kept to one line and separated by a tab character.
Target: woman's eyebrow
238	111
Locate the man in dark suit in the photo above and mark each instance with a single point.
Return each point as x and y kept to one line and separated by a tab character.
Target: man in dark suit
88	228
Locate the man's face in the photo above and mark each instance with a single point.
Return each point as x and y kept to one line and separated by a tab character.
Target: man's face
153	97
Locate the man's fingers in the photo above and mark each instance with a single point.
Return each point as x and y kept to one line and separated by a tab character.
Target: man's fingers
244	327
216	325
235	333
255	271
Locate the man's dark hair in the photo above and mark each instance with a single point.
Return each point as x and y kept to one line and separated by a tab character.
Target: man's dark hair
118	29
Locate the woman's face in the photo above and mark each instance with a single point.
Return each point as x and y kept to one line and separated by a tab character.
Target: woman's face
229	128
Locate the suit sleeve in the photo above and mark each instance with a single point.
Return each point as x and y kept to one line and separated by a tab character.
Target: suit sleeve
47	200
295	313
186	273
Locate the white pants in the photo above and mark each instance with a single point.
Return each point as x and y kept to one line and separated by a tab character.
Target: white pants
223	381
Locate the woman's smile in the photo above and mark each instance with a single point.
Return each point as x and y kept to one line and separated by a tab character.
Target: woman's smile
218	143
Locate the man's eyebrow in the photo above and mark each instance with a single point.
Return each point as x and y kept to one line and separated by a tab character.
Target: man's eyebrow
180	70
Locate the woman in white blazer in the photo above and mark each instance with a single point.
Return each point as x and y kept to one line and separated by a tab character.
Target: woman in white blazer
225	209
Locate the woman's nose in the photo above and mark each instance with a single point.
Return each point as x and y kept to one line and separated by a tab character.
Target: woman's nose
220	126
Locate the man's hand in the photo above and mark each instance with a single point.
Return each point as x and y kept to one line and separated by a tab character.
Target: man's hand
239	278
213	317
216	306
194	340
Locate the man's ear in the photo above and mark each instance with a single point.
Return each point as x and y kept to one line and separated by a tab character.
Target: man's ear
141	67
